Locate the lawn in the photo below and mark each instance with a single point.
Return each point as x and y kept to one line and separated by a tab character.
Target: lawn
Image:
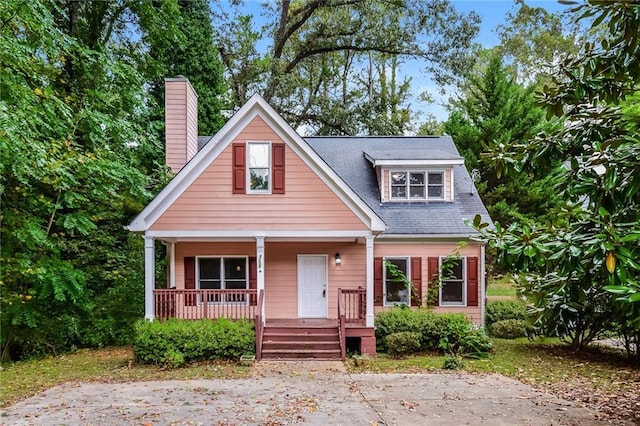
501	288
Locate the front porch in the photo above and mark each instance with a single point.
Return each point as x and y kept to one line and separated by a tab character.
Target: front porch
276	338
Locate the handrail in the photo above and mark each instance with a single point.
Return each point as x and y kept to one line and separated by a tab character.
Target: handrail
259	325
193	304
355	307
342	323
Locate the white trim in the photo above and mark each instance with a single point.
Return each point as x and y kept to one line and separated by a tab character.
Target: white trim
370	317
172	265
326	269
402	163
424	238
453	192
384	279
253	234
256	106
463	259
248	168
482	285
149	278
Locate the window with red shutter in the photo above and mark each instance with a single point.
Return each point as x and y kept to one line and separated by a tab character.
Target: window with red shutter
239	168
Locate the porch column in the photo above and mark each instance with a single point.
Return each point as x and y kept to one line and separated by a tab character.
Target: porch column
483	284
369	257
149	278
260	266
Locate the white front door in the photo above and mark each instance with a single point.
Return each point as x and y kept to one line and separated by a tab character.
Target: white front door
312	286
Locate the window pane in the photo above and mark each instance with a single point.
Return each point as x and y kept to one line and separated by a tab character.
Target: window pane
235	285
398	192
452	291
417	192
435	192
401	264
416	178
210	284
456	270
209	268
398	178
259	155
435	178
235	268
396	290
259	179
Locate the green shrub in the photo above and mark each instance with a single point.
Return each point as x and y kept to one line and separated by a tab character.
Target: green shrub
501	310
402	343
510	328
447	333
452	363
177	341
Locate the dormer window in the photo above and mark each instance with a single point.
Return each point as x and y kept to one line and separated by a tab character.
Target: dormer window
417	185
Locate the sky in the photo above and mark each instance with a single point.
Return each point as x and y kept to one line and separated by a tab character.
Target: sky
493	13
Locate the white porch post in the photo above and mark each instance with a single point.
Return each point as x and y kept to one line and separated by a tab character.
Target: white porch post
172	265
149	278
260	266
483	283
369	257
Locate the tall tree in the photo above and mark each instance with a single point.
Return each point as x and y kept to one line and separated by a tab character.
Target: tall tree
320	49
196	57
72	115
581	272
493	110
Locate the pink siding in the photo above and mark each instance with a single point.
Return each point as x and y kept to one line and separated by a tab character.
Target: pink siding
181	123
426	250
386	184
308	203
281	282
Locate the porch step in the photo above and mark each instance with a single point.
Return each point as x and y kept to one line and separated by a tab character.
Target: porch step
301	342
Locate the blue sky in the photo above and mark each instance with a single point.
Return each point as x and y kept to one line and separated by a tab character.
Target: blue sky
493	13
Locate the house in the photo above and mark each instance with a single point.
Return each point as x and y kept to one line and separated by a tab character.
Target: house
302	234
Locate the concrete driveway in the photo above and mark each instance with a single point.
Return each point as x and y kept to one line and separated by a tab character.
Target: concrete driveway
315	393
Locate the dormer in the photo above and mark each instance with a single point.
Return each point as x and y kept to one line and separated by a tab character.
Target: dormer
414	175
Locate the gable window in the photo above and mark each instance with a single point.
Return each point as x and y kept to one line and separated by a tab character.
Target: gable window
259	166
417	185
223	273
395	290
453	288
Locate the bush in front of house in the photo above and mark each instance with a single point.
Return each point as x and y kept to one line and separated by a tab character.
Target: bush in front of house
510	328
402	343
501	310
177	341
444	333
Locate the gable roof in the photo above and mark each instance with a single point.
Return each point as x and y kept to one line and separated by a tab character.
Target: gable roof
212	147
351	158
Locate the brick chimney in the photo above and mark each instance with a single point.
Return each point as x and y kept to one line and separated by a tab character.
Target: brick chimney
181	122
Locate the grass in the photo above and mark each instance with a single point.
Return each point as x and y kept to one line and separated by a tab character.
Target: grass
501	287
25	378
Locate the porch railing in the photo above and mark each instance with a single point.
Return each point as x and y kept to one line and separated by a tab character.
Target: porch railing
259	325
341	326
197	304
355	305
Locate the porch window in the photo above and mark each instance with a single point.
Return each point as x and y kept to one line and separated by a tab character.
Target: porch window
259	160
395	290
417	185
453	289
223	273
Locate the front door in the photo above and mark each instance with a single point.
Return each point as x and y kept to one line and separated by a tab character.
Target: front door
312	286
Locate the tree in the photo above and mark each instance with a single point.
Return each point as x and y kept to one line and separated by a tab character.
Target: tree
72	115
195	57
493	110
581	272
320	50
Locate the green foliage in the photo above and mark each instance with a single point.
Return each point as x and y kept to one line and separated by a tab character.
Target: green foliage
501	310
452	362
450	333
581	271
510	328
402	343
177	341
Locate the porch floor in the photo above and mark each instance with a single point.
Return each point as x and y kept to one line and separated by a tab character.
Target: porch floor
308	322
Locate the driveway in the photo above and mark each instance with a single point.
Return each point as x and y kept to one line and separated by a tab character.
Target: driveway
314	393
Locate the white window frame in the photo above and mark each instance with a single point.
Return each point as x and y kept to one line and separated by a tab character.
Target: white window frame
463	260
222	280
424	172
384	280
248	166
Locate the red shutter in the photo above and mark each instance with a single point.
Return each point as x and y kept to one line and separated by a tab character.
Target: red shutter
472	281
253	278
190	279
377	281
239	168
416	281
277	155
432	265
